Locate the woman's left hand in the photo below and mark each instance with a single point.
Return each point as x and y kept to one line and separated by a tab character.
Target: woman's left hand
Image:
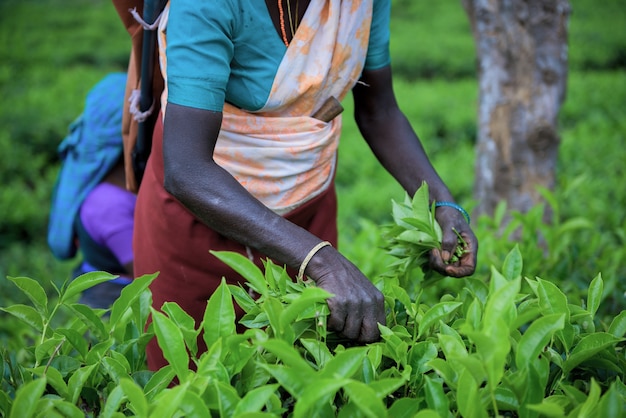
444	261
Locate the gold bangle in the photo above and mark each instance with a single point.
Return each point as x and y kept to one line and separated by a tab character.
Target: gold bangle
309	256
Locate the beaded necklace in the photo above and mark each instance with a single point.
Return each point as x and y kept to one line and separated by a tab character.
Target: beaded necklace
293	22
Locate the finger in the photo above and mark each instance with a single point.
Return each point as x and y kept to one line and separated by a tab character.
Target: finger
370	332
337	316
449	242
436	261
352	326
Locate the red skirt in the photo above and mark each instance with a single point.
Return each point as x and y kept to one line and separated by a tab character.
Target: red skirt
170	240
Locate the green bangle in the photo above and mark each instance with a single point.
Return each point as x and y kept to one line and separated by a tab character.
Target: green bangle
455	206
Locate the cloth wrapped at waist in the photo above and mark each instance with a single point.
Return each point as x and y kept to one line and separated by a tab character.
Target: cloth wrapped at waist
282	161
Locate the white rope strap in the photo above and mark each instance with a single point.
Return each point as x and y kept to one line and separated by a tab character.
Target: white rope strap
134	110
309	256
142	22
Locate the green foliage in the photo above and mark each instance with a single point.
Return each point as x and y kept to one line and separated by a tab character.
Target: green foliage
539	347
490	349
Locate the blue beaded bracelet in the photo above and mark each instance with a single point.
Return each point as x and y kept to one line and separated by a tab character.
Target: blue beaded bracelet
455	206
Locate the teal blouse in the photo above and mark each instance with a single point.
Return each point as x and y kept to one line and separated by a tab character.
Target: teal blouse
229	50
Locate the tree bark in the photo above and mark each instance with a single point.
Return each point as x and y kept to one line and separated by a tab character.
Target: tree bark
522	70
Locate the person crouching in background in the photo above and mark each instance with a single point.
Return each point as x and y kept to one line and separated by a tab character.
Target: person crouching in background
92	213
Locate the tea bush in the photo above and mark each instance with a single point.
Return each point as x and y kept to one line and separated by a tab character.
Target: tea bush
504	345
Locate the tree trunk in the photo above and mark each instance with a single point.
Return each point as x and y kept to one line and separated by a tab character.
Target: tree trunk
522	69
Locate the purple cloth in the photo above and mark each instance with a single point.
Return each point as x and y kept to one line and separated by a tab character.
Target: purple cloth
108	216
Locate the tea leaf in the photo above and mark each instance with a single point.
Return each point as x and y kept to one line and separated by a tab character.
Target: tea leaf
420	354
90	319
594	295
386	386
85	281
53	378
318	349
344	365
159	381
219	315
25	403
97	351
618	325
130	293
194	407
77	381
438	312
274	310
76	340
308	299
587	409
27	314
400	212
317	393
170	339
419	203
115	369
408	408
452	348
445	370
167	402
255	400
425	413
47	347
536	337
501	304
185	322
468	399
243	298
289	378
136	397
365	399
394	344
420	224
551	299
587	347
113	402
513	263
548	409
435	396
420	238
493	349
59	408
246	268
611	404
288	354
506	399
34	291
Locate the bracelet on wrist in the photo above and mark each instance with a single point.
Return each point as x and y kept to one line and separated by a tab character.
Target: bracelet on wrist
309	256
455	206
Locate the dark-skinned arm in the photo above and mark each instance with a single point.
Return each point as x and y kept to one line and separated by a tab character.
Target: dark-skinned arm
219	201
398	148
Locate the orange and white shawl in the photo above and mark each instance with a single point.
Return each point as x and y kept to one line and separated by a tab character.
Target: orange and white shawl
280	154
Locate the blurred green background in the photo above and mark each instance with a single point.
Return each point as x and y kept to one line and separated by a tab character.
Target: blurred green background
52	52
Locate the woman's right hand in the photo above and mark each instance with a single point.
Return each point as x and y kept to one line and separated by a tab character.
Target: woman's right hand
357	306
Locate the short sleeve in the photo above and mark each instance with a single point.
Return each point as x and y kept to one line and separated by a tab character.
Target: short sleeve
199	51
378	55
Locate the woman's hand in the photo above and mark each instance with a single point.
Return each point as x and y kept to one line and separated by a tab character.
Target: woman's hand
357	306
453	225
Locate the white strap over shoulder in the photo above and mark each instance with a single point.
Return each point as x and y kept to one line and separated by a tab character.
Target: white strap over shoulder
142	22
